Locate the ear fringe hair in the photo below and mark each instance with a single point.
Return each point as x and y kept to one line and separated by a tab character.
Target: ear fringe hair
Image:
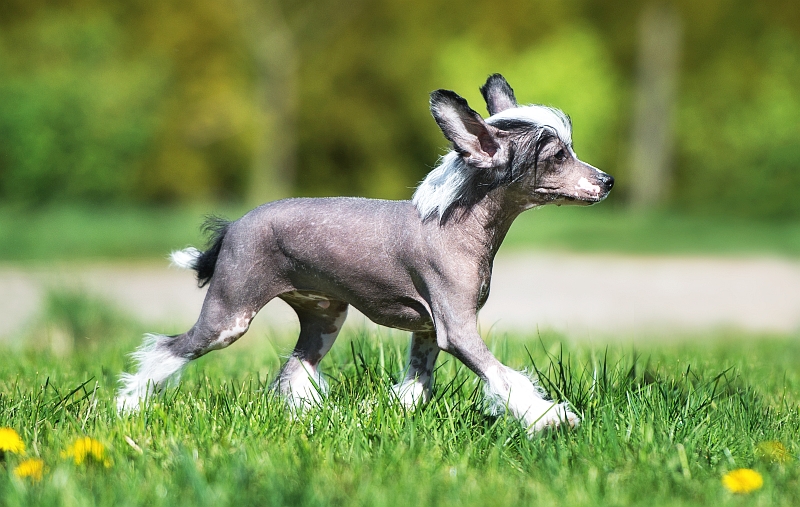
441	188
453	185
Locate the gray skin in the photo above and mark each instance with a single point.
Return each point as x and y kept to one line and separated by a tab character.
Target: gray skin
401	270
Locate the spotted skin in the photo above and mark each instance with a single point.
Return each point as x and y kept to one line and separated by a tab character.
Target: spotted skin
416	386
321	319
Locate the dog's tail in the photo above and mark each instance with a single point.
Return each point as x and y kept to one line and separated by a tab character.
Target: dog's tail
203	262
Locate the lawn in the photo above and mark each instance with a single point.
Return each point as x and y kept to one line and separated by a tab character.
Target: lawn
123	233
661	426
662	423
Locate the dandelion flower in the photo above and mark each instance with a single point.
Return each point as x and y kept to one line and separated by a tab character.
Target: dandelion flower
773	451
10	442
742	480
31	468
84	448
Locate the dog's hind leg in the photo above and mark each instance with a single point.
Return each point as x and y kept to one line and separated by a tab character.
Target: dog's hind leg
228	309
300	381
416	386
156	366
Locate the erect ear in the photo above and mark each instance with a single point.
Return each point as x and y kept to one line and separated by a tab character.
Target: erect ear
479	144
498	94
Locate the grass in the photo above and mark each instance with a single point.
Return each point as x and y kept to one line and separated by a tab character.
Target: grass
661	425
67	233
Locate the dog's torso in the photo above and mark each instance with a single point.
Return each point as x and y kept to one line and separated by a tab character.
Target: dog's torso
376	255
422	265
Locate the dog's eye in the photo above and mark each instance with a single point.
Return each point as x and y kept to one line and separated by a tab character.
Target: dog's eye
560	155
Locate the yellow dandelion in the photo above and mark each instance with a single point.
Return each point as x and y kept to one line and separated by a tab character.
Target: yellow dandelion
773	451
31	468
10	442
84	448
742	480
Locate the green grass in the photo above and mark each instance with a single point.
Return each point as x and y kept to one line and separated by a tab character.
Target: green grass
661	425
65	233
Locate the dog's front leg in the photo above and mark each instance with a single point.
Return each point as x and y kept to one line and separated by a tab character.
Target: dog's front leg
505	388
416	386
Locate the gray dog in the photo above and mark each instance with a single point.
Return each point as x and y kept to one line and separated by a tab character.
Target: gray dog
422	265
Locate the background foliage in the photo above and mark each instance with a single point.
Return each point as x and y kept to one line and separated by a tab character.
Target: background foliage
162	102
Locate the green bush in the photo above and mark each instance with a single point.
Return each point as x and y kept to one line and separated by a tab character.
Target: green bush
106	104
74	320
739	131
146	102
570	70
74	126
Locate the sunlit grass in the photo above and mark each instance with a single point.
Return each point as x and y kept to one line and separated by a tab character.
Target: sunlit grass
662	426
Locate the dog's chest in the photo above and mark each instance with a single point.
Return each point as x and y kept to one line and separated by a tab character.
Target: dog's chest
485	278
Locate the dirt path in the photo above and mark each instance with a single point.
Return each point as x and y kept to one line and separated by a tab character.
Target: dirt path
612	295
583	295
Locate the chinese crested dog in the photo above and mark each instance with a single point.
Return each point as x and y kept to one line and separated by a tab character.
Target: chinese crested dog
423	265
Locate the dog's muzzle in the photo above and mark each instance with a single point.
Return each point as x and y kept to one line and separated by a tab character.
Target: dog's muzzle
606	182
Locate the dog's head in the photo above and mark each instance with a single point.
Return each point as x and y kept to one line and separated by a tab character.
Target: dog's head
528	148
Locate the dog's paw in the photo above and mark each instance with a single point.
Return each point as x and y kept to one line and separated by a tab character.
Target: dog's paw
557	414
303	395
127	404
411	393
301	386
302	402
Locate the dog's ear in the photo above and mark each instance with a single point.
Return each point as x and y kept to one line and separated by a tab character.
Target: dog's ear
498	94
479	144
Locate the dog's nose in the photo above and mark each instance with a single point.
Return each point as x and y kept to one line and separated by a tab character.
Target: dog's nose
608	181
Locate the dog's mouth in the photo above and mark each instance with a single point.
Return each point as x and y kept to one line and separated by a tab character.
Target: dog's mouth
557	197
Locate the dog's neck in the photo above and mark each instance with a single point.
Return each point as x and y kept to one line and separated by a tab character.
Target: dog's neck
482	228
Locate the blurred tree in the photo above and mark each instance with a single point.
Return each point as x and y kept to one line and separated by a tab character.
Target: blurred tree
207	125
568	69
654	106
272	47
364	126
740	126
183	100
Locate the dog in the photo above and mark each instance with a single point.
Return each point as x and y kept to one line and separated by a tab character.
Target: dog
422	266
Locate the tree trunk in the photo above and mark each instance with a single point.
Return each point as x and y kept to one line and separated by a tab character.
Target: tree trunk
273	50
652	143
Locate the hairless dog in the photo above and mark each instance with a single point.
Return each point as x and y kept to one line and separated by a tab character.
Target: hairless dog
423	265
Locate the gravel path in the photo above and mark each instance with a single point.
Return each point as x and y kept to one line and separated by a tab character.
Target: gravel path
582	295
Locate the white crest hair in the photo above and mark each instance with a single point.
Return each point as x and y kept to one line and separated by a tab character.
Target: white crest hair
441	187
445	184
539	116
